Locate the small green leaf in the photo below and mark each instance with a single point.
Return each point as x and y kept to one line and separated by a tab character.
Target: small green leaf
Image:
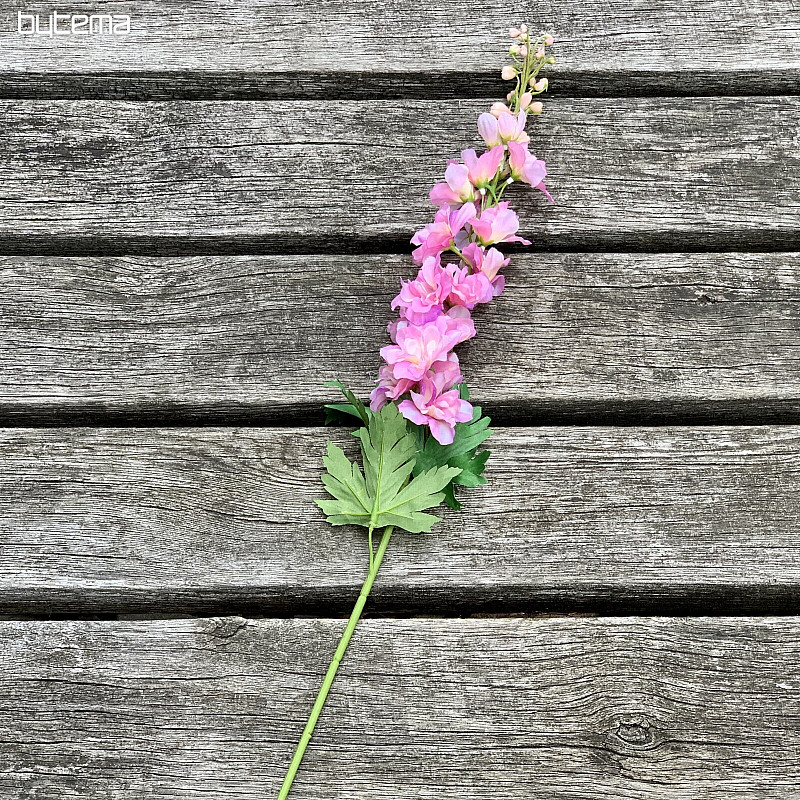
358	406
383	494
340	413
472	466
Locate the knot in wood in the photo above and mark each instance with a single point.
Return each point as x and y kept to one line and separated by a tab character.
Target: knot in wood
636	732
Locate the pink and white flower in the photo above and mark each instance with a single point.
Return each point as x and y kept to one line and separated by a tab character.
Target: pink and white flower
497	224
437	408
489	262
422	299
527	168
419	347
506	127
482	169
469	290
439	235
456	188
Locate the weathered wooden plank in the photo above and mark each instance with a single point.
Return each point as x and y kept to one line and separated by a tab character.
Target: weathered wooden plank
511	709
202	520
578	336
264	48
171	177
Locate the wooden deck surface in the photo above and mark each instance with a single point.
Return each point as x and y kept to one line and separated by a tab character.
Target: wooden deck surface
204	221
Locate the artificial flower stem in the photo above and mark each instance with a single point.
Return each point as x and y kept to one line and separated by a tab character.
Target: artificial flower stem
322	695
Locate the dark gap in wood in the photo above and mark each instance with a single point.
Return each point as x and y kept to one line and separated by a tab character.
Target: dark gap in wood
473	601
667	241
440	85
615	413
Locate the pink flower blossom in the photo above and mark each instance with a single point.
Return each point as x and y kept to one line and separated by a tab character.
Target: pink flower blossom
456	188
419	347
527	168
505	128
489	262
422	299
439	235
481	170
438	409
469	290
497	224
388	388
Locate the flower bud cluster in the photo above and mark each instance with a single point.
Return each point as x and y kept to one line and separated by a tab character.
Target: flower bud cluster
529	56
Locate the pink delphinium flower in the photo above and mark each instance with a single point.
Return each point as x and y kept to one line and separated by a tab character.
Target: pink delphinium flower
438	408
482	169
456	188
527	168
497	224
388	388
422	299
419	347
469	289
439	235
507	127
489	262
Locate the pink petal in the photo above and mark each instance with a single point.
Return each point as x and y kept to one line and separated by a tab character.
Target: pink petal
442	432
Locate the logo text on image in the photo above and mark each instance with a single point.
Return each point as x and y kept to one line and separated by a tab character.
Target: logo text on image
60	23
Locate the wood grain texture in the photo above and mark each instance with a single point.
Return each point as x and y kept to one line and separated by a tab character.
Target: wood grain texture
122	177
513	709
575	337
264	48
207	520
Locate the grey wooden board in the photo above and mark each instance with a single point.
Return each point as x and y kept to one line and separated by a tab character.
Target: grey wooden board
218	338
363	48
196	520
513	709
636	173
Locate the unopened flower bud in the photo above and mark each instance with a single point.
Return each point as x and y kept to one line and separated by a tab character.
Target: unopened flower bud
499	108
550	60
523	28
514	49
525	100
523	51
535	108
540	53
540	85
513	32
509	73
509	95
548	40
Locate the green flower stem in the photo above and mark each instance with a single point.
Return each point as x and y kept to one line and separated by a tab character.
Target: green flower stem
334	665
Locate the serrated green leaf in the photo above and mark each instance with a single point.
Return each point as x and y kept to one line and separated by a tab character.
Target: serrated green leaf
383	495
468	437
461	454
472	466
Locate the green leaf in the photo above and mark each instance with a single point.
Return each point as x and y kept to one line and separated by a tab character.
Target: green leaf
461	454
468	436
472	466
359	409
340	413
383	494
